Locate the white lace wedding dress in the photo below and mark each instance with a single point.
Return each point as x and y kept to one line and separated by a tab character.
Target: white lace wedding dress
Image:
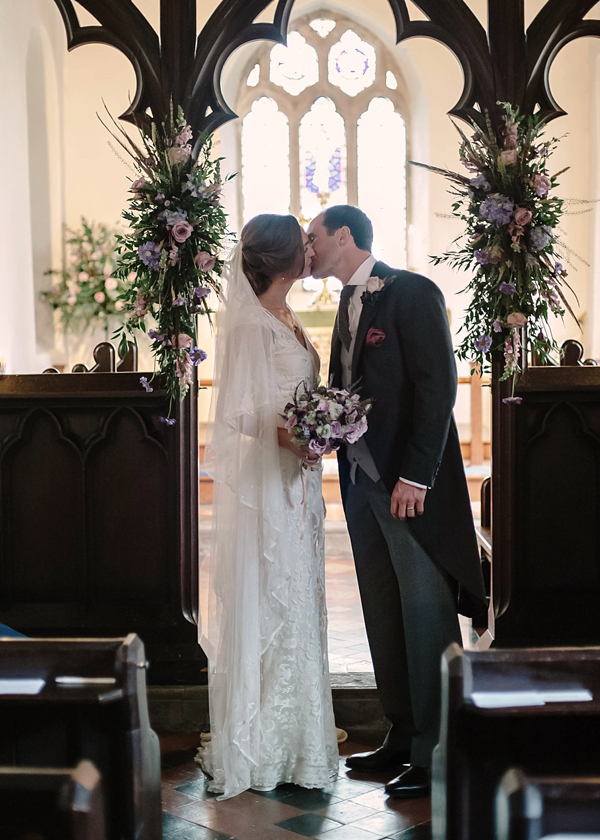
291	734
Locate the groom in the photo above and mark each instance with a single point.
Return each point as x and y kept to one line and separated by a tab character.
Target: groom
403	486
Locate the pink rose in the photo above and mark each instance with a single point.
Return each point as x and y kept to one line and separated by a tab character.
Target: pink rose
516	319
111	284
138	185
71	300
336	429
375	338
99	297
509	157
541	184
179	154
181	231
375	284
204	261
522	216
182	341
119	305
83	276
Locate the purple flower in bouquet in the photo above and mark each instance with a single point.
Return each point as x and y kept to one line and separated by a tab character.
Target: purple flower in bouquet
516	400
507	288
147	387
149	253
202	292
317	446
497	208
497	325
168	421
482	256
541	184
171	217
539	237
482	343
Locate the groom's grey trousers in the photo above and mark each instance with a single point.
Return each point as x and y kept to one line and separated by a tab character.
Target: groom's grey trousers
410	616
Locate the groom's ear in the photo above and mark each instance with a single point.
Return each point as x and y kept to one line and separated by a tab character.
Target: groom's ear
344	235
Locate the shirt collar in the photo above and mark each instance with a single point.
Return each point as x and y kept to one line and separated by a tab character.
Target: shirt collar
362	273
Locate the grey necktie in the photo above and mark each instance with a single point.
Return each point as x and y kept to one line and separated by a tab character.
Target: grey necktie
343	316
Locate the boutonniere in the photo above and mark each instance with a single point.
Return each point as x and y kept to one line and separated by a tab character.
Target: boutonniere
375	286
375	338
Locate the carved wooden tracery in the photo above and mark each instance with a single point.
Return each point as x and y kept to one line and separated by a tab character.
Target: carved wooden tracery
506	63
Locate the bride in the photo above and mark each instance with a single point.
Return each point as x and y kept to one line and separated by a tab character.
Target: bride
271	715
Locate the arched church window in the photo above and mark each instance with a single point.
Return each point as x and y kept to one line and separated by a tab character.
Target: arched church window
324	121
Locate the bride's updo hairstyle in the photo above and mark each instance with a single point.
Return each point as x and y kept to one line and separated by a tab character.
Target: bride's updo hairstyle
271	245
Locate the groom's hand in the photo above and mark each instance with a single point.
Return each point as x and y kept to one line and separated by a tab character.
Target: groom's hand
407	500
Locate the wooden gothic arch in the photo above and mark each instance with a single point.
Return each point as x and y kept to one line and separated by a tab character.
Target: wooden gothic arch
507	63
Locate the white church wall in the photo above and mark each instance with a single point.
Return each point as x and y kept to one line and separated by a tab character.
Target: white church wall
32	44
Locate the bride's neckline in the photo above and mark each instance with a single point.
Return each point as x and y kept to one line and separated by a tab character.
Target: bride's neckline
293	332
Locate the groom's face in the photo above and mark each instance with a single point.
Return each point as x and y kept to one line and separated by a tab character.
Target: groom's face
326	248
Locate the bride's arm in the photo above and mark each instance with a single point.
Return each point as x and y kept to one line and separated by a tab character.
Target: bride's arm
285	442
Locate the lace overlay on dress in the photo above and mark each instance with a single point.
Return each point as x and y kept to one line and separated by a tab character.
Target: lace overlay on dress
297	731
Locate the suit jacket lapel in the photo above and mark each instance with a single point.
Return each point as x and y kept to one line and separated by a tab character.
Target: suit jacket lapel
335	357
369	310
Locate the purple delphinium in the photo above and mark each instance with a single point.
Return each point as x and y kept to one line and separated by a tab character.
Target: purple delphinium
497	208
557	269
179	301
497	325
202	292
507	288
171	217
515	400
149	253
197	355
539	237
482	343
168	421
144	381
159	198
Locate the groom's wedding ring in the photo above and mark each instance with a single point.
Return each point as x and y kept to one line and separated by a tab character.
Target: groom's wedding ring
410	508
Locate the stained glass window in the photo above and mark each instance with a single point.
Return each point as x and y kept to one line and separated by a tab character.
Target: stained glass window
322	26
253	76
351	64
322	143
295	67
265	160
381	139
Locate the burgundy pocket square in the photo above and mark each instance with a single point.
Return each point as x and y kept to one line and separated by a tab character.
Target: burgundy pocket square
375	338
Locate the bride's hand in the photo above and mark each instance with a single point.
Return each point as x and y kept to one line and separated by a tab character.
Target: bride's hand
308	458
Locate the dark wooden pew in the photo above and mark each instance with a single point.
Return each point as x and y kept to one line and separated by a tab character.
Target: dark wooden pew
89	703
99	512
52	803
539	526
537	709
533	807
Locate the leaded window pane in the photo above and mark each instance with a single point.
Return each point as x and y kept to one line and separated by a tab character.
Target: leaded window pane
295	67
381	139
265	160
351	64
322	145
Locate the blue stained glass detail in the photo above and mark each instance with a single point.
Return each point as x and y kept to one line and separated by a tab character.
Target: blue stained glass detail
335	172
309	171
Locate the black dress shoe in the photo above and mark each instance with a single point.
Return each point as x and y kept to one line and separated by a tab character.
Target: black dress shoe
379	761
413	782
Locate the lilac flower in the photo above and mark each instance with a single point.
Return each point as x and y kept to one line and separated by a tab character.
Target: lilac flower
482	257
507	288
497	325
144	381
516	400
483	343
201	292
168	421
318	446
155	336
171	217
480	182
497	208
179	301
336	429
197	355
159	198
539	237
149	253
190	185
557	269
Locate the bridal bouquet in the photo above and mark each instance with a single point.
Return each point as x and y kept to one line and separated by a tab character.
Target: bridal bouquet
324	418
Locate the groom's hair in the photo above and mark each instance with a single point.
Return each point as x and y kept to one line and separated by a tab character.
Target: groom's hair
345	215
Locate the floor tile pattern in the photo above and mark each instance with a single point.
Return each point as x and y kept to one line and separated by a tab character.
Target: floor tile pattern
356	809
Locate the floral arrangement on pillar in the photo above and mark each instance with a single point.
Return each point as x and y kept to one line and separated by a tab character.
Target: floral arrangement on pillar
171	253
509	243
88	287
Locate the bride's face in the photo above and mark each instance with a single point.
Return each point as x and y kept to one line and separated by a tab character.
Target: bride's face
308	255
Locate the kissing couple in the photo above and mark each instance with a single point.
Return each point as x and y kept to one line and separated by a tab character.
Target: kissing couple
404	494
